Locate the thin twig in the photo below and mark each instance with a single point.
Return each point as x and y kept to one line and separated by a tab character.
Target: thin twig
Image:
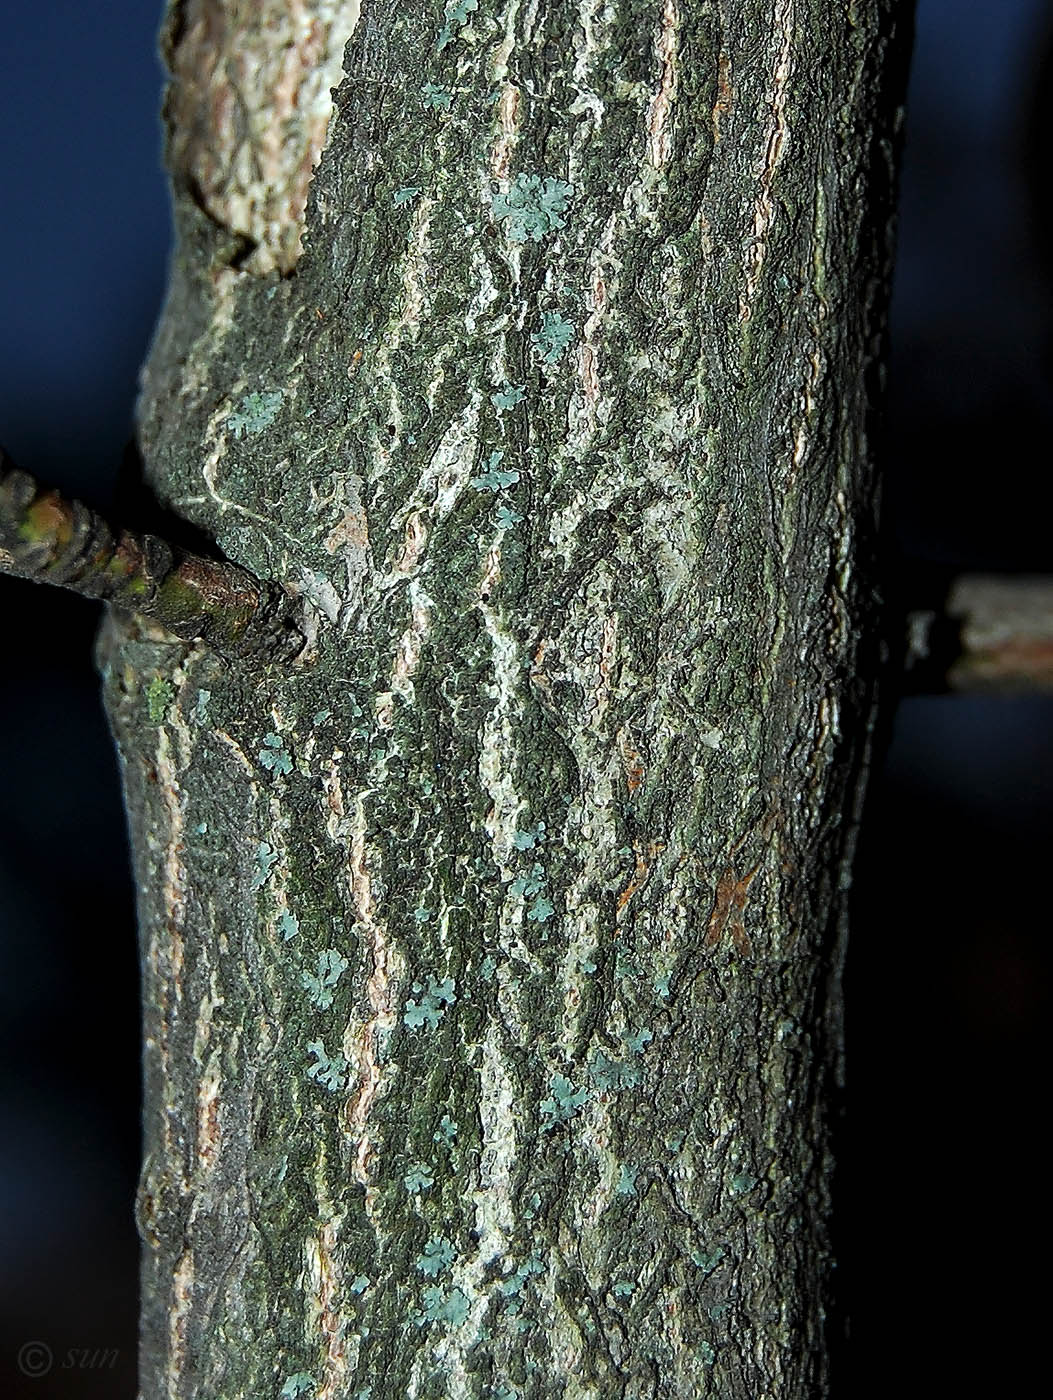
50	539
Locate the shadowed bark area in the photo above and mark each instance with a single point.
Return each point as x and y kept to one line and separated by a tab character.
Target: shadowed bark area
492	953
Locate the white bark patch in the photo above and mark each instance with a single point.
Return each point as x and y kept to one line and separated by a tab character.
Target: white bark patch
764	207
433	497
602	287
497	750
209	1114
508	112
178	1319
408	648
495	1219
326	1317
659	113
417	270
496	765
588	45
484	298
173	872
249	110
365	1041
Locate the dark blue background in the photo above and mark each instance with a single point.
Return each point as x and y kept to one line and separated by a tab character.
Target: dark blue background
943	1180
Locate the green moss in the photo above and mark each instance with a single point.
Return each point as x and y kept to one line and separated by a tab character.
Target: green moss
159	696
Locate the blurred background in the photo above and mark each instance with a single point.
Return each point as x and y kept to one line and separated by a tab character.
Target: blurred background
942	1215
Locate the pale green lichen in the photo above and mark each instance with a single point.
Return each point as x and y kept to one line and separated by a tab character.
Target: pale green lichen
541	909
507	518
418	1178
295	1386
408	192
707	1262
529	837
438	1254
266	856
288	925
454	20
428	1011
440	1306
623	1289
626	1183
159	696
532	207
564	1102
636	1040
328	1071
359	1284
513	1283
446	1131
256	412
437	98
273	755
493	479
331	967
529	883
507	397
607	1074
553	338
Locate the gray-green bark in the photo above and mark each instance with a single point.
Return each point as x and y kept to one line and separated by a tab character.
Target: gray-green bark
491	951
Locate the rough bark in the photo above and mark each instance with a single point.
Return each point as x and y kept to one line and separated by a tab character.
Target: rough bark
491	951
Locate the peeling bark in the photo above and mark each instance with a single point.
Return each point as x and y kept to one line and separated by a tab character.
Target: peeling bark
492	954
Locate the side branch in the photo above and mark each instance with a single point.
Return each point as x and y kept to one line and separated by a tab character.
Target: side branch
49	539
991	634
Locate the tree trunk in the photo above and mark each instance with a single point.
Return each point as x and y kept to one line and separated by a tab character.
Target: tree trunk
491	949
